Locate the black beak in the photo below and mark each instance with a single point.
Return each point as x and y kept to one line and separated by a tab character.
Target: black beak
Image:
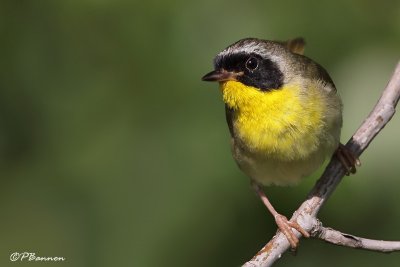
221	76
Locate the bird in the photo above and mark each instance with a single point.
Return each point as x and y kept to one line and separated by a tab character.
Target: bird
284	116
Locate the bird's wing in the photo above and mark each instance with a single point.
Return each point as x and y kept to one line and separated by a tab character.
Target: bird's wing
295	45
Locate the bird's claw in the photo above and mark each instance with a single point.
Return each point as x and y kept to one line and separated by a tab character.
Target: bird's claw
285	226
348	159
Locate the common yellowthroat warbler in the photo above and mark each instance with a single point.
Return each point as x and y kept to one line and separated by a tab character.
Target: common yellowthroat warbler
283	112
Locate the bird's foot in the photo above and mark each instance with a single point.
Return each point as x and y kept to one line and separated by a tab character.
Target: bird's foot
348	159
285	226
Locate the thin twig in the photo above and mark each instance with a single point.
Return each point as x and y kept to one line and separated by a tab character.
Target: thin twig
307	212
341	239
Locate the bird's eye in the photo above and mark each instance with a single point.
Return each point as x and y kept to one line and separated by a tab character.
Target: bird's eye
252	64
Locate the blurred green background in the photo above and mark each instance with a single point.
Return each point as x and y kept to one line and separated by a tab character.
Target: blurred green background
114	153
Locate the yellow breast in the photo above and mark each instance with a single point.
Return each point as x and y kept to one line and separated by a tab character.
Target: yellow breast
286	124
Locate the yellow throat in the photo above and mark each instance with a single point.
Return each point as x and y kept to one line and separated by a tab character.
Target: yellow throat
285	123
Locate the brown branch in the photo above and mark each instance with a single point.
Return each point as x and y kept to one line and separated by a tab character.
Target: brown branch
341	239
307	213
